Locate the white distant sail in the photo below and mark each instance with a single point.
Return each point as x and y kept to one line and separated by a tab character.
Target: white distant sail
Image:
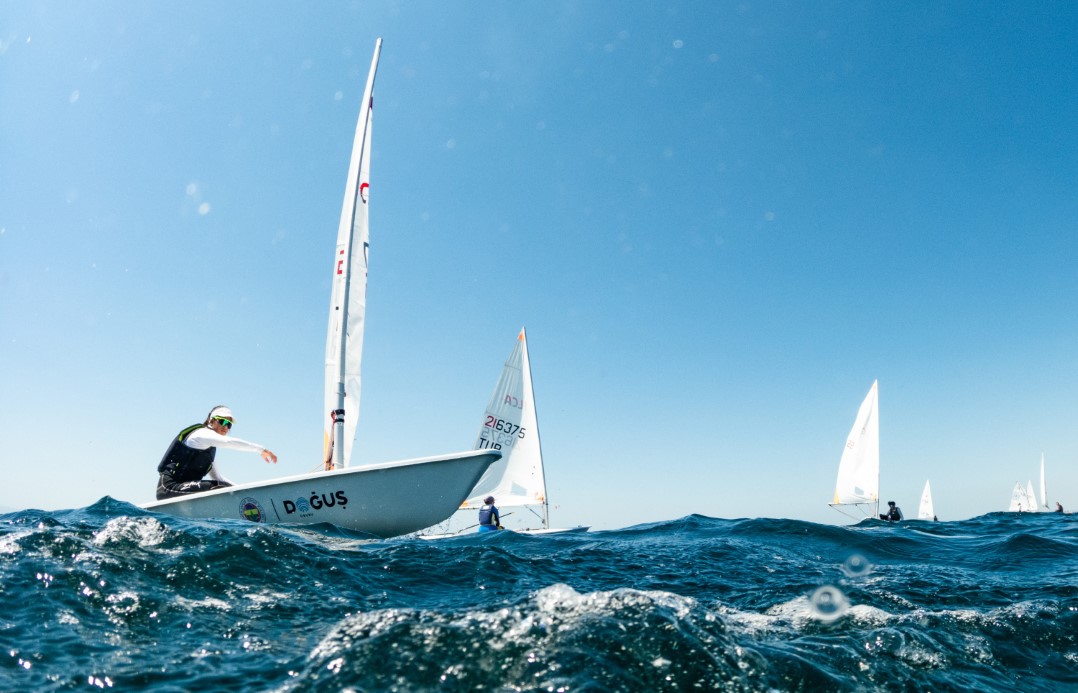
348	296
859	469
1044	494
926	511
510	425
1022	499
1018	499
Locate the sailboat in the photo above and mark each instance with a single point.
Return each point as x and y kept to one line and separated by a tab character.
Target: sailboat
1022	499
510	424
1044	494
1031	496
387	499
925	511
858	485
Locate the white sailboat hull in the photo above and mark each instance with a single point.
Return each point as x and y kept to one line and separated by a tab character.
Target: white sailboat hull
386	500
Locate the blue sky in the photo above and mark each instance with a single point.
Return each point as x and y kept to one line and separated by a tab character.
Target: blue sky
719	221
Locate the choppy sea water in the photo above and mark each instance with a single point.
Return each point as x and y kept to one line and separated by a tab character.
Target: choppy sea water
110	596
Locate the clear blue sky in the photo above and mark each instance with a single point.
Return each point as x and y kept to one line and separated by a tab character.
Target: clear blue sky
719	221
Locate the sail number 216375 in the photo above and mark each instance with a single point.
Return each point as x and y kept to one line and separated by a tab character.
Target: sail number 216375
504	426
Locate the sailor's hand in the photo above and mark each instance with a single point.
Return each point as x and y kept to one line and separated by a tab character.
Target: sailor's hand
269	457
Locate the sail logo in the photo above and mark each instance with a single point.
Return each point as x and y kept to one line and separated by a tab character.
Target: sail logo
363	189
250	509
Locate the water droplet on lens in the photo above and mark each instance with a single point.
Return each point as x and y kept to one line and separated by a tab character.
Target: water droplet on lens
856	566
828	603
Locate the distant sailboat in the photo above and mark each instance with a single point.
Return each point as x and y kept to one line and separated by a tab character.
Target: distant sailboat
510	425
926	511
1022	499
858	482
1044	494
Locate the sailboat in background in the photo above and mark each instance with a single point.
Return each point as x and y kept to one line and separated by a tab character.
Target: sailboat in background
387	499
858	484
1033	505
926	511
1044	494
1022	499
510	424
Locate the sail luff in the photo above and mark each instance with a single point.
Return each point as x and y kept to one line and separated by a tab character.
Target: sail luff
531	415
348	299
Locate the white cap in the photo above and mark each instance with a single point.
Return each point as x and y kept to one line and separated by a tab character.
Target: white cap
223	412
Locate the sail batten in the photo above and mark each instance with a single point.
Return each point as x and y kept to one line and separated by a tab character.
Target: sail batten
348	296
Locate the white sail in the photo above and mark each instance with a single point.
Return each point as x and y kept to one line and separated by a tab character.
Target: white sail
1044	493
1022	498
348	296
859	469
1018	499
926	511
510	425
1031	497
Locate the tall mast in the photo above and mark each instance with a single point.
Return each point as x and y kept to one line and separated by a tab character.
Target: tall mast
348	303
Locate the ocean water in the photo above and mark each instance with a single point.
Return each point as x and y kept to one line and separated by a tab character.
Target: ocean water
113	597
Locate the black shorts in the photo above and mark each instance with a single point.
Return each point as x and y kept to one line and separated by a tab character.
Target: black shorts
167	487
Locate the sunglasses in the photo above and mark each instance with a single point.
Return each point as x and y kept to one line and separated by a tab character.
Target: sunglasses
224	422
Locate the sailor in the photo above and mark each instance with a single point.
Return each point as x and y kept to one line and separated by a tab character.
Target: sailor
894	513
489	517
189	457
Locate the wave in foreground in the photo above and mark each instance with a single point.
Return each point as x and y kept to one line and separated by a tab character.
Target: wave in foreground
110	596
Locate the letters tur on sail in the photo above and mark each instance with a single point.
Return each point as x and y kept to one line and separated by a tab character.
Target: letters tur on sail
348	297
859	469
